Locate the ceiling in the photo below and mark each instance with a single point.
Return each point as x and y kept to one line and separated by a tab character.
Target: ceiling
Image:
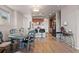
44	10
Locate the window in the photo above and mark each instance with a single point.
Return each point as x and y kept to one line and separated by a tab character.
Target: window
4	17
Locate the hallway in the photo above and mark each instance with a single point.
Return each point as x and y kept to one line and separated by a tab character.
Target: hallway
28	22
35	29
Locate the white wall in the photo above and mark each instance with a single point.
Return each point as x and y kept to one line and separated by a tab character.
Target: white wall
77	32
19	19
58	24
16	21
46	24
70	15
6	27
26	21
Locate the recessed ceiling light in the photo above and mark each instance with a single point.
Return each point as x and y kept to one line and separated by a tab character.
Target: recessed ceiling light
36	10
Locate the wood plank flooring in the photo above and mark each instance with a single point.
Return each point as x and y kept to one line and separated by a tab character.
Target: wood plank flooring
50	45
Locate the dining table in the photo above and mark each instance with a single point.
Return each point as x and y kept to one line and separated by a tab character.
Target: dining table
18	37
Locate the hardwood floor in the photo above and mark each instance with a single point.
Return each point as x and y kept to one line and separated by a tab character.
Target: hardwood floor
49	45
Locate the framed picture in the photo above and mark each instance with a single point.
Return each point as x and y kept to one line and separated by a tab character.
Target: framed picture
4	17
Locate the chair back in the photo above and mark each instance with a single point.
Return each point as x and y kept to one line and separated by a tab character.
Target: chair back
1	37
36	30
31	34
12	31
42	30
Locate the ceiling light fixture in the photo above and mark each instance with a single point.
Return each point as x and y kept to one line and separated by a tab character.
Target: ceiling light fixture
36	10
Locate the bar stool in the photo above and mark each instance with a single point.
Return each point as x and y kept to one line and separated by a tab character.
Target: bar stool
42	31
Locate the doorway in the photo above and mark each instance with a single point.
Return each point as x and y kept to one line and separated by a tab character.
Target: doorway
52	25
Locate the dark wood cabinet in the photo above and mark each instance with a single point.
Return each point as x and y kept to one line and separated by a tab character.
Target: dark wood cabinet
52	25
